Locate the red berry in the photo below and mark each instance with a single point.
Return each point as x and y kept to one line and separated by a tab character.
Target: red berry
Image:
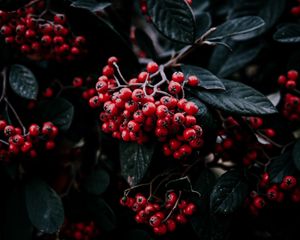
18	140
174	87
142	77
26	147
108	71
174	144
50	145
3	124
9	130
290	84
155	220
270	132
193	81
171	225
259	202
161	111
34	130
293	75
59	18
178	77
288	182
77	82
133	126
160	230
296	195
94	102
125	94
189	134
180	218
48	92
152	67
101	86
138	95
281	80
171	198
149	109
141	200
190	209
227	143
191	108
112	60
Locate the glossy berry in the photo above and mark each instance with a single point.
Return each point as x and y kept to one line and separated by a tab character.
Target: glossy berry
178	77
288	182
174	87
190	209
152	67
259	202
193	81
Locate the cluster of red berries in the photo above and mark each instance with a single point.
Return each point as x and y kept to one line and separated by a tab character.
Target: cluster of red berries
14	141
162	218
296	9
273	193
136	109
291	102
79	231
38	37
234	139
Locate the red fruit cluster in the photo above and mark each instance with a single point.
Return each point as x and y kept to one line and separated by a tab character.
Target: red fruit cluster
13	141
234	143
291	102
79	231
164	217
296	9
136	110
39	38
274	193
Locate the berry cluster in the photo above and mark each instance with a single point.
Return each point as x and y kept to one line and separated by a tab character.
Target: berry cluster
79	231
296	9
273	193
39	38
164	217
13	141
291	106
234	142
137	109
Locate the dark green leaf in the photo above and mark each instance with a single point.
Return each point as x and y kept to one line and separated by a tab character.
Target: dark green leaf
91	5
237	28
23	82
205	182
233	61
135	160
238	98
183	183
44	206
174	19
268	10
280	167
145	43
207	79
59	111
296	154
102	213
203	23
97	182
229	193
289	33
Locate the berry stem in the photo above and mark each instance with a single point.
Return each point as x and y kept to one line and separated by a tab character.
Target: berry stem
4	142
3	73
174	207
16	115
119	72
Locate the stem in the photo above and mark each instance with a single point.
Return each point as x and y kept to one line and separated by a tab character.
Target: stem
3	73
119	72
16	115
174	207
4	142
127	191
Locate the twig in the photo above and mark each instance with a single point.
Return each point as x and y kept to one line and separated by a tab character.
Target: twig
16	115
3	73
119	72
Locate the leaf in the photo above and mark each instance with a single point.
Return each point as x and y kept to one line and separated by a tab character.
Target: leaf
203	23
238	98
102	213
268	10
205	182
59	111
233	61
91	5
44	207
183	183
207	79
135	160
280	167
296	154
289	33
174	19
229	193
23	82
97	182
238	27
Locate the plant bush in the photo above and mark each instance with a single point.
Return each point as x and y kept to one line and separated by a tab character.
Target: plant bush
149	119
